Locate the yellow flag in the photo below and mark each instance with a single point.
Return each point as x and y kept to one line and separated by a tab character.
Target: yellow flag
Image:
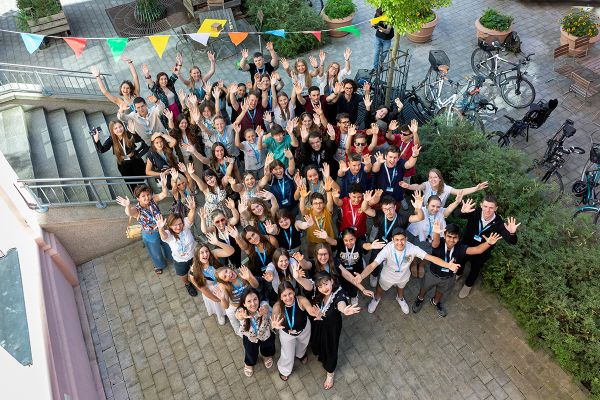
159	43
374	21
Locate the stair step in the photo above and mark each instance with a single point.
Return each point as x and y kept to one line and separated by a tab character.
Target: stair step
42	154
65	154
14	143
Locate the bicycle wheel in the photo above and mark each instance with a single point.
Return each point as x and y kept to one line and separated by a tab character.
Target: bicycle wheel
521	98
430	79
451	117
481	62
587	215
473	118
500	138
419	108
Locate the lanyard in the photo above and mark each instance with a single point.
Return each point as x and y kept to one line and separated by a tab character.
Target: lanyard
224	236
238	289
293	319
252	115
251	192
281	183
482	229
385	225
261	71
223	138
255	151
354	215
144	120
254	324
448	255
404	148
349	253
124	148
288	238
210	273
223	168
261	226
431	221
394	172
263	257
396	257
312	187
320	223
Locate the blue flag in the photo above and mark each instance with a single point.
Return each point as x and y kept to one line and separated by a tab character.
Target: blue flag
32	41
277	32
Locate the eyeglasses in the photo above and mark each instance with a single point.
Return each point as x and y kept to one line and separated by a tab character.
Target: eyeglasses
360	143
406	133
218	221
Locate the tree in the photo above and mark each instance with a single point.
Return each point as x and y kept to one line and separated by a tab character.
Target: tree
405	16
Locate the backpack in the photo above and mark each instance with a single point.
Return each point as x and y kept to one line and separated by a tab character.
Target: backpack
512	43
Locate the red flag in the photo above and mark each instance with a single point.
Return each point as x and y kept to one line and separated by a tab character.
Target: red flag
317	34
76	44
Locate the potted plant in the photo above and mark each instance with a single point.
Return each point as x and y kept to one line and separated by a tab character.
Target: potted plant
424	34
576	24
43	17
336	14
492	26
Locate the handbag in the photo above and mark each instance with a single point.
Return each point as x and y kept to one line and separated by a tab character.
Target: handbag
133	231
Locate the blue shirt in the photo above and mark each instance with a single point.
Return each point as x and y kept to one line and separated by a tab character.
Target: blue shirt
348	179
283	190
389	179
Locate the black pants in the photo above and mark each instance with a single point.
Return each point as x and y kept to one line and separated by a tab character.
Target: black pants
132	167
266	347
477	262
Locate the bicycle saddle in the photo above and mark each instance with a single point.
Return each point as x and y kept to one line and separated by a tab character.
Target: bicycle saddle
443	69
568	128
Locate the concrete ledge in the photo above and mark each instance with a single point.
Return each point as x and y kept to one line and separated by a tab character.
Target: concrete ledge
69	103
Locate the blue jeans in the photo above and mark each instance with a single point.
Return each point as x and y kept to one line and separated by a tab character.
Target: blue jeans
159	251
383	46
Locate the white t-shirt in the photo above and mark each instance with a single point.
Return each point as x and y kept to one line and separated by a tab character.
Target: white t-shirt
392	257
182	249
278	116
424	228
273	269
322	80
428	192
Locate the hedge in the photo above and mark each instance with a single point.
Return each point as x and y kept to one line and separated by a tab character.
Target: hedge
293	16
550	280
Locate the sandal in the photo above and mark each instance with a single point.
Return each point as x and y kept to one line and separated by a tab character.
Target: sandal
158	271
328	382
248	370
268	362
284	377
304	359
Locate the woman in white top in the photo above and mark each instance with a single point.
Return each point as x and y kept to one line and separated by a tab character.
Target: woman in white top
178	235
128	90
284	109
198	81
280	269
334	74
300	72
435	185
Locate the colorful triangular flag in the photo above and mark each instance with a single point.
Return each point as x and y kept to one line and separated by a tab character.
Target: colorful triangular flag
352	29
201	38
76	44
277	32
375	20
317	34
237	37
32	41
117	47
159	42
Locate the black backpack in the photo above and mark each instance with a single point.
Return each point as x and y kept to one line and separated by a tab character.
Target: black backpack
512	43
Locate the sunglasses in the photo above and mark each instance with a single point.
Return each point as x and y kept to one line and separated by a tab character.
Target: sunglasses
360	143
220	220
406	133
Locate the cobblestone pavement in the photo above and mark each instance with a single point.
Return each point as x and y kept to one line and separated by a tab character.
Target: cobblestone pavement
154	341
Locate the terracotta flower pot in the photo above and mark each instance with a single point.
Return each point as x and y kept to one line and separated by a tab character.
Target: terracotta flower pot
570	39
490	35
424	34
337	23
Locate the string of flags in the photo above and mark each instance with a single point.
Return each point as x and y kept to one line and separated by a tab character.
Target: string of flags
117	45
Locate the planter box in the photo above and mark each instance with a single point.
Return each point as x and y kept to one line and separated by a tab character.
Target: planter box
51	25
570	39
424	34
490	35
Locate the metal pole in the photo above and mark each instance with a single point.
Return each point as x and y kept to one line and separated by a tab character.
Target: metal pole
99	202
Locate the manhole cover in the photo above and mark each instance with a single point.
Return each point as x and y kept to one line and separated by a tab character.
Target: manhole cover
125	24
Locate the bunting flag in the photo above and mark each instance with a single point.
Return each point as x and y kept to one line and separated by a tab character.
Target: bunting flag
117	47
237	37
76	44
201	38
277	32
159	43
352	29
376	20
317	34
32	41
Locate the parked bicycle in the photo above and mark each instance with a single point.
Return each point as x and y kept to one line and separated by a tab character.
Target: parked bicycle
534	118
547	168
588	187
516	90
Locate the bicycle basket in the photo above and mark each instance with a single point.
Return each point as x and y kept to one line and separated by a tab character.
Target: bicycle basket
579	188
437	58
595	153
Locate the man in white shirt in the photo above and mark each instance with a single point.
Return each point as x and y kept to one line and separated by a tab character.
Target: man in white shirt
398	255
144	121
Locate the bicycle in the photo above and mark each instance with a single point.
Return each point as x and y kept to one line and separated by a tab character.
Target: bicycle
546	168
588	188
534	118
516	90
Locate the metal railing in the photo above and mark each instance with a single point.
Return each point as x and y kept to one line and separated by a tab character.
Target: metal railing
41	194
48	81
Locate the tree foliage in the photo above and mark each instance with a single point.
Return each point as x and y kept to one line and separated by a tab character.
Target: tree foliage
408	15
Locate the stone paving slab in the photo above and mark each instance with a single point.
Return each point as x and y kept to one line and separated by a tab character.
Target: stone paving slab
153	341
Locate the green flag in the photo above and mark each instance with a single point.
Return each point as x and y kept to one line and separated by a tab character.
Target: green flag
117	47
352	29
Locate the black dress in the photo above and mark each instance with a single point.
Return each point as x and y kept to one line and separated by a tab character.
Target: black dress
325	333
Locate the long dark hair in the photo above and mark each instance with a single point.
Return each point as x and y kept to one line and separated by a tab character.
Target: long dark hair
167	150
320	277
284	276
178	134
249	290
197	269
116	143
268	247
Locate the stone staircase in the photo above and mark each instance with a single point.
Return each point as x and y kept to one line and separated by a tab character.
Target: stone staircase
41	144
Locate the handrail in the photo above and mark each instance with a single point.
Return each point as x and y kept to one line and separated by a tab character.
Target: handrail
48	68
41	194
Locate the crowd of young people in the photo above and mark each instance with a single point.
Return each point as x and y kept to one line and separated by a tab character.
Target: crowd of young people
286	198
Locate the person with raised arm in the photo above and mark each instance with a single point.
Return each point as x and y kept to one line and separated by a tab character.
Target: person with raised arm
219	225
198	81
389	171
143	121
259	66
128	90
321	212
164	87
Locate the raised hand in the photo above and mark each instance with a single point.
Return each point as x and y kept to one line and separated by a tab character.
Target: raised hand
263	310
368	196
191	202
181	167
331	131
160	221
270	227
378	244
145	70
493	238
437	227
367	100
326	170
245	273
309	220
269	158
268	276
288	153
303	191
366	159
212	238
467	206
347	53
511	225
393	125
417	201
374	129
322	56
267	116
168	113
350	309
321	234
318	109
174	174
269	46
316	312
328	185
313	61
352	130
241	314
414	126
335	194
344	166
230	203
232	231
216	93
163	178
379	157
284	63
338	88
190	168
415	151
244	53
398	103
276	323
482	185
203	213
211	56
316	119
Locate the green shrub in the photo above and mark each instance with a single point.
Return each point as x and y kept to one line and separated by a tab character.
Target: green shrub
549	280
34	9
492	19
293	16
335	9
580	23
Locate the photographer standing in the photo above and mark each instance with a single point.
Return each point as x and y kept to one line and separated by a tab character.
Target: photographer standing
383	40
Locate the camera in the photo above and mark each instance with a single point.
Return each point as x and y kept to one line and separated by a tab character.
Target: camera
92	131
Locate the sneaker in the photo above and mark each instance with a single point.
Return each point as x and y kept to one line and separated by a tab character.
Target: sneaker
464	292
404	205
418	304
221	319
354	300
441	310
373	305
373	280
403	305
191	289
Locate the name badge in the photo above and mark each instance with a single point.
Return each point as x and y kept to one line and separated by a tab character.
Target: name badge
292	332
284	202
477	238
445	270
389	189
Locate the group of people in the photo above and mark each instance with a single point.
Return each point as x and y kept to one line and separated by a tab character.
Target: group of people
284	199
